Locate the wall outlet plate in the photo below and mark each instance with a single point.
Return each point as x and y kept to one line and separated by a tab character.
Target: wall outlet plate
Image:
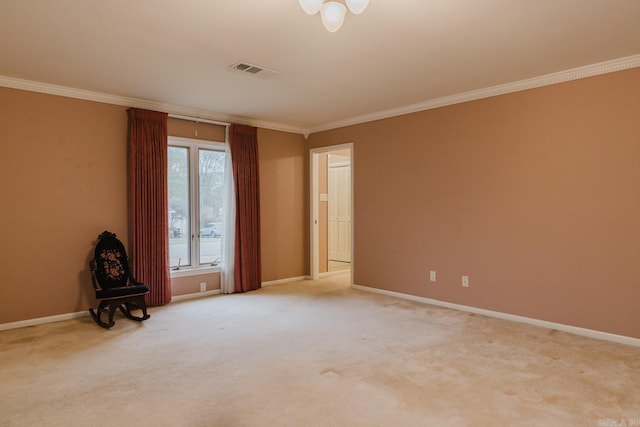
203	286
432	276
465	281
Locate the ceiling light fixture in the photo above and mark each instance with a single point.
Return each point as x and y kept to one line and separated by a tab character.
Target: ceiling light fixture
333	12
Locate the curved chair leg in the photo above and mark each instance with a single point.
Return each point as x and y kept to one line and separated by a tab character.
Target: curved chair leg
97	315
133	304
125	305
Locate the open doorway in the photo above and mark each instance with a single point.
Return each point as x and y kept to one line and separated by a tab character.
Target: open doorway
331	210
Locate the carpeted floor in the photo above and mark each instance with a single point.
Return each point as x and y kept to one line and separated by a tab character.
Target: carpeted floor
313	354
337	266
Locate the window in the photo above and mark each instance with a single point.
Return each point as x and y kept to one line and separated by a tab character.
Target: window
196	181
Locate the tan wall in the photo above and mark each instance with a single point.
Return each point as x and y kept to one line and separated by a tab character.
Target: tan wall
284	208
63	180
196	130
187	285
534	195
339	153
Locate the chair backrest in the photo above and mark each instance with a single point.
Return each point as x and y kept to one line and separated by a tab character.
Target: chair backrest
112	264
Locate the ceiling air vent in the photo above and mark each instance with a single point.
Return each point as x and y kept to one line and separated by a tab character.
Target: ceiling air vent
256	70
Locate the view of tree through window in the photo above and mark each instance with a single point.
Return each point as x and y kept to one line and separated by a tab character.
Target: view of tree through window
211	183
179	212
196	181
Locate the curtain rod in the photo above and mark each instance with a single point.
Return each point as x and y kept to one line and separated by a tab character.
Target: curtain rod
195	119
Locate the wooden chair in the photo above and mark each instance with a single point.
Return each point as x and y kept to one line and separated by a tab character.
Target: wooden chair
114	285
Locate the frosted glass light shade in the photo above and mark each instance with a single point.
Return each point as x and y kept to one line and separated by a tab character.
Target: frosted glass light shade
357	6
332	14
311	6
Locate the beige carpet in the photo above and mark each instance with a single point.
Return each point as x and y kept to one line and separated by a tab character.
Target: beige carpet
313	354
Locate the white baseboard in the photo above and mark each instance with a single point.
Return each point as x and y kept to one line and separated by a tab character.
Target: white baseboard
42	320
621	339
280	281
195	295
70	316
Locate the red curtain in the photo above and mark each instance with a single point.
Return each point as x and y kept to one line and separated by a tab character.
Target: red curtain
148	203
243	142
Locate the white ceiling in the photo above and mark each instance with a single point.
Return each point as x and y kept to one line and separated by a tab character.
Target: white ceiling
397	53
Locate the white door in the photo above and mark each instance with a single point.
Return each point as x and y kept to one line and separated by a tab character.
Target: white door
339	207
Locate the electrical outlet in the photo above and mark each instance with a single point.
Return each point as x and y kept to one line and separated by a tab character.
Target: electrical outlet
432	276
203	286
465	281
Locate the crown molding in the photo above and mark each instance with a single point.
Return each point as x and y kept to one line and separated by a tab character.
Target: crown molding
532	83
178	110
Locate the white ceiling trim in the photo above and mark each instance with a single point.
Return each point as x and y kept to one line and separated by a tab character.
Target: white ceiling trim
546	80
105	98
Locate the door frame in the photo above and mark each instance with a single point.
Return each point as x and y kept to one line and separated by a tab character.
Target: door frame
314	235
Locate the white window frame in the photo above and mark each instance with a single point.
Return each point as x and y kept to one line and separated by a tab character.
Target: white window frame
194	145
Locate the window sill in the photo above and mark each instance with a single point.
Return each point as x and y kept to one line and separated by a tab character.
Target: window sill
186	271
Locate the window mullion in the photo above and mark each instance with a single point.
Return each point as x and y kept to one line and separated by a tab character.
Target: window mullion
195	207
